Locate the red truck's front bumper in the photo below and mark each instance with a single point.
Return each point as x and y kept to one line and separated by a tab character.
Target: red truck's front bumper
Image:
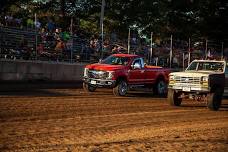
100	82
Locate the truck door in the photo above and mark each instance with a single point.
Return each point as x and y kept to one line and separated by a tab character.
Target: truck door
151	75
136	74
226	79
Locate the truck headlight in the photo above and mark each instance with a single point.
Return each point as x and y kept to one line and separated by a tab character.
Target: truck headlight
171	79
110	74
86	72
204	81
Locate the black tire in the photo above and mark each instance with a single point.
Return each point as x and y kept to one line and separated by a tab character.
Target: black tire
120	89
214	100
88	88
173	98
160	88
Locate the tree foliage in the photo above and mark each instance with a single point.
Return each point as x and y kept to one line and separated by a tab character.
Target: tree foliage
184	18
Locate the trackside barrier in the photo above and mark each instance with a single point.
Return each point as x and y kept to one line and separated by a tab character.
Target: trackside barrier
37	70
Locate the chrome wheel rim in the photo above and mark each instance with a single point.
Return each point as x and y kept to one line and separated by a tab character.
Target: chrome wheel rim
162	87
123	88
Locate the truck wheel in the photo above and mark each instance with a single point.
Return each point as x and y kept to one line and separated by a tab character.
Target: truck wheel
120	89
88	88
160	88
214	100
173	98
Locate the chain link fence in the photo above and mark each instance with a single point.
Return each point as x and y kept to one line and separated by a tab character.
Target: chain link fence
29	44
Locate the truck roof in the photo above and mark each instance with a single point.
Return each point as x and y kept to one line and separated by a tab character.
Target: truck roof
209	60
126	55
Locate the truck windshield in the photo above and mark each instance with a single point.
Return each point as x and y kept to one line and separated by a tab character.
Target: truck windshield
116	60
206	66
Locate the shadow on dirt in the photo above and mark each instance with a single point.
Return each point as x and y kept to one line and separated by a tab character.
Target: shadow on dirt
37	88
34	93
224	107
144	95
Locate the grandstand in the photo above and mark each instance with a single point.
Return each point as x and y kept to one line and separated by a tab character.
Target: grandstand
14	42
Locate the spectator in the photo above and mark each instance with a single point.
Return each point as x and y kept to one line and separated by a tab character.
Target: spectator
43	34
9	20
37	24
24	49
115	49
30	23
18	22
40	49
66	36
92	46
60	46
209	54
57	33
50	26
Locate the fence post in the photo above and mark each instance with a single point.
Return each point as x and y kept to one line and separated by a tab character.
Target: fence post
128	44
36	37
171	51
189	51
222	52
183	61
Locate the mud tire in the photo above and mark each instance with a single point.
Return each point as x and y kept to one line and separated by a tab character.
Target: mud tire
160	88
173	98
88	88
214	100
120	89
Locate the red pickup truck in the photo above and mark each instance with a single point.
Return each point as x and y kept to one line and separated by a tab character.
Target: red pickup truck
122	72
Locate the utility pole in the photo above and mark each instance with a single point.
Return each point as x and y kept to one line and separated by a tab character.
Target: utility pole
72	40
222	53
206	49
102	27
151	48
36	36
189	51
171	51
129	39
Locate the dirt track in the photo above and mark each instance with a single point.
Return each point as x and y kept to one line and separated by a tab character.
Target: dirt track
71	120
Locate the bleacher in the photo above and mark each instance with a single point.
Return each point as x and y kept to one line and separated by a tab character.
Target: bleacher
12	37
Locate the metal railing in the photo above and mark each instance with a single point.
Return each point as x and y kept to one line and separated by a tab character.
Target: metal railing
27	44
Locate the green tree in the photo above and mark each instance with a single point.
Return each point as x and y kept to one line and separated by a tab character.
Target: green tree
183	18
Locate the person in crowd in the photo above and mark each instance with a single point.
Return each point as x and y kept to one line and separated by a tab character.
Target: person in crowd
115	50
37	24
57	33
66	36
50	25
9	20
60	46
43	35
209	54
18	22
92	45
24	49
30	23
40	48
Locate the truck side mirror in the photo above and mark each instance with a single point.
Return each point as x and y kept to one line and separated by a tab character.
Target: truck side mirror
100	60
136	66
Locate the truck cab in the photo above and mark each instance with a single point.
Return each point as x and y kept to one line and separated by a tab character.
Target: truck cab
122	72
203	80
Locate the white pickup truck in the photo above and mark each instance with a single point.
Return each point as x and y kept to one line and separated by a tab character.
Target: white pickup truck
203	80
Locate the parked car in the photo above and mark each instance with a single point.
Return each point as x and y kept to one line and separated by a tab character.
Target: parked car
203	80
122	72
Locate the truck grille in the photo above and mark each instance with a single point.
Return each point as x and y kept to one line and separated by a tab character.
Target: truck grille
190	80
95	74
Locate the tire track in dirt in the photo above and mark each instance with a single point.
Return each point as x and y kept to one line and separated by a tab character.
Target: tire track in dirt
75	121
